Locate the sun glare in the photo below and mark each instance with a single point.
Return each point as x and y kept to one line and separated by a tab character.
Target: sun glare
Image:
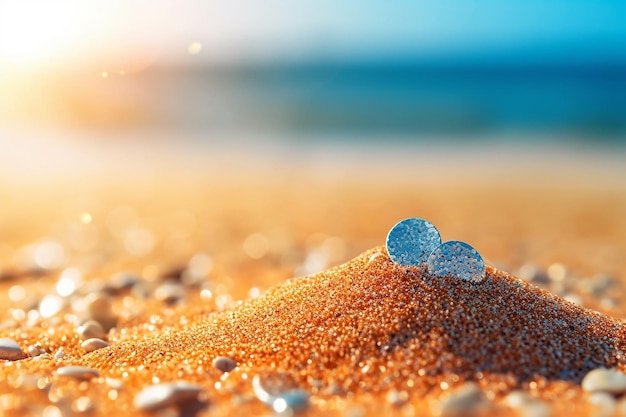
34	33
42	35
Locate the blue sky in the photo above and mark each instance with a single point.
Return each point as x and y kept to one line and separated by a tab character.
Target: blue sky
493	22
373	27
40	32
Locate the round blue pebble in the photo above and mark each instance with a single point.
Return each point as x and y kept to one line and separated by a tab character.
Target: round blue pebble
456	259
411	240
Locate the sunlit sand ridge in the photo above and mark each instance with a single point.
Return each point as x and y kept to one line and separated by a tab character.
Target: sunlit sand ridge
388	320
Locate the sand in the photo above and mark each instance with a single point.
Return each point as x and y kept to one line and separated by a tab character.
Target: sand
384	320
363	336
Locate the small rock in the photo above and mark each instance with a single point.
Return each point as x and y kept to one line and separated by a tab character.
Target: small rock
83	404
27	382
607	380
59	354
557	272
530	272
142	290
99	308
354	410
197	271
91	329
10	350
174	273
294	400
121	282
34	351
597	285
333	389
620	407
163	395
279	391
397	398
573	298
603	403
169	292
78	372
374	257
518	399
526	405
114	382
224	364
92	344
608	303
465	400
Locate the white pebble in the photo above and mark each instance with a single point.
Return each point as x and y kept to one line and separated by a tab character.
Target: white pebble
78	372
397	398
10	350
620	407
163	395
526	405
83	404
294	400
530	272
114	382
34	351
603	404
224	364
608	303
279	391
198	269
121	281
465	400
374	257
169	292
606	380
93	344
574	298
598	285
557	272
91	329
99	308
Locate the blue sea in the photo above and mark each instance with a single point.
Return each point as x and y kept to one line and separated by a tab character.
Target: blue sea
405	99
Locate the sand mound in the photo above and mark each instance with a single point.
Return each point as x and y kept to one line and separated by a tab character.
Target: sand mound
371	323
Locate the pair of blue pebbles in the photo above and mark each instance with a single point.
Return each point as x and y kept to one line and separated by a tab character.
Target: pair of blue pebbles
413	241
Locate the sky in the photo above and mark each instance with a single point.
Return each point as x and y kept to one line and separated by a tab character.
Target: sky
45	34
77	64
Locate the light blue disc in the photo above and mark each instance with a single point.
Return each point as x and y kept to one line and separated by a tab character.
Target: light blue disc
411	240
456	259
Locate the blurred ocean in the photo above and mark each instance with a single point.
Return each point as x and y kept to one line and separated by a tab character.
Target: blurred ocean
459	96
332	73
400	99
457	109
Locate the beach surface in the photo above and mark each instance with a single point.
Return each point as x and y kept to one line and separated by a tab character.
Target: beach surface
281	276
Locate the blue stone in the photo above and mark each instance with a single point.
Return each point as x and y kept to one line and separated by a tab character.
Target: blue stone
295	400
456	259
279	391
411	240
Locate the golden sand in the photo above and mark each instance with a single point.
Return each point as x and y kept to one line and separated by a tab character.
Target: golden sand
367	337
392	324
385	321
371	326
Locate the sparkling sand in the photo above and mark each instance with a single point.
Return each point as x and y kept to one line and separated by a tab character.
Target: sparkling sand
197	290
